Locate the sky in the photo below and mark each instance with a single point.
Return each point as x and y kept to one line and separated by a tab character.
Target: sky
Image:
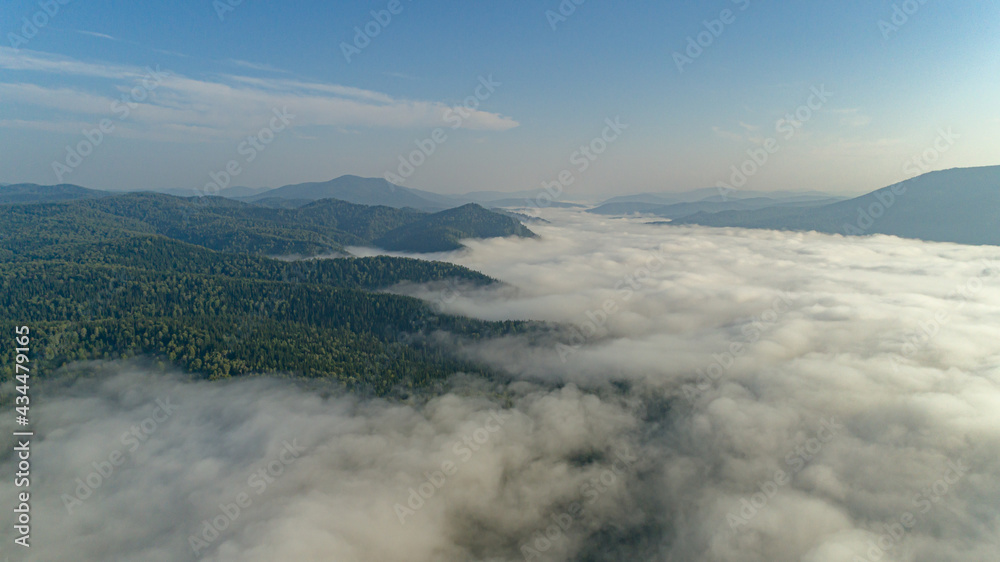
452	97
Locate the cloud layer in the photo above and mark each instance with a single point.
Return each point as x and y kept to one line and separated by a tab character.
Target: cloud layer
732	396
192	109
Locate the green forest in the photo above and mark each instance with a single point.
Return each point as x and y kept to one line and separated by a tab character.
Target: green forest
145	275
320	227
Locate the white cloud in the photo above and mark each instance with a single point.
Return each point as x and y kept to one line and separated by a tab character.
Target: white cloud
852	117
834	350
728	135
62	99
95	34
71	127
255	65
231	105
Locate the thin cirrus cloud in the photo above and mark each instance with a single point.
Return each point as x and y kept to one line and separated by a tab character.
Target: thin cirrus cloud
853	117
96	34
190	109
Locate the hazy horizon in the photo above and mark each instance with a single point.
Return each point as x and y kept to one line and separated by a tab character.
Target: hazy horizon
180	104
198	191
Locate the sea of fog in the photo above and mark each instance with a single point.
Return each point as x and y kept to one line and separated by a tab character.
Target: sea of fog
725	395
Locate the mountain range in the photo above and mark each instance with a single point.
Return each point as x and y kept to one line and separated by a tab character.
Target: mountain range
187	283
955	205
21	193
319	227
958	205
709	205
362	191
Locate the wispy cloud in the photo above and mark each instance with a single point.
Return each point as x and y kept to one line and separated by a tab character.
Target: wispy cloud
24	60
96	34
728	135
255	66
296	85
69	127
171	53
225	106
852	117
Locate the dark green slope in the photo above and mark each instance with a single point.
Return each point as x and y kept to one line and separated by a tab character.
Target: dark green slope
97	281
321	227
365	222
443	231
22	193
186	280
152	252
226	326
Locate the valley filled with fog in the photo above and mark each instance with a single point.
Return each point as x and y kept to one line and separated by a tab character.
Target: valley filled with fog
721	395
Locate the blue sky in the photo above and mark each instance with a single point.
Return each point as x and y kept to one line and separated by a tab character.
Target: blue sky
555	81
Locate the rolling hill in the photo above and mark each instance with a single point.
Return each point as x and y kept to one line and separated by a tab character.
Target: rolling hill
447	228
958	205
361	191
33	193
320	227
94	283
377	191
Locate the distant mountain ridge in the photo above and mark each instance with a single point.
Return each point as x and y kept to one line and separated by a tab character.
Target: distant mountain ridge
320	227
451	226
33	193
377	191
715	194
959	205
680	210
361	191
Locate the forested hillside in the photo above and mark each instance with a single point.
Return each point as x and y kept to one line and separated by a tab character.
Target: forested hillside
321	227
117	277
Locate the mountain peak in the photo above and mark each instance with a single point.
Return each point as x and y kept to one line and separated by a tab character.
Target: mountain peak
955	205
